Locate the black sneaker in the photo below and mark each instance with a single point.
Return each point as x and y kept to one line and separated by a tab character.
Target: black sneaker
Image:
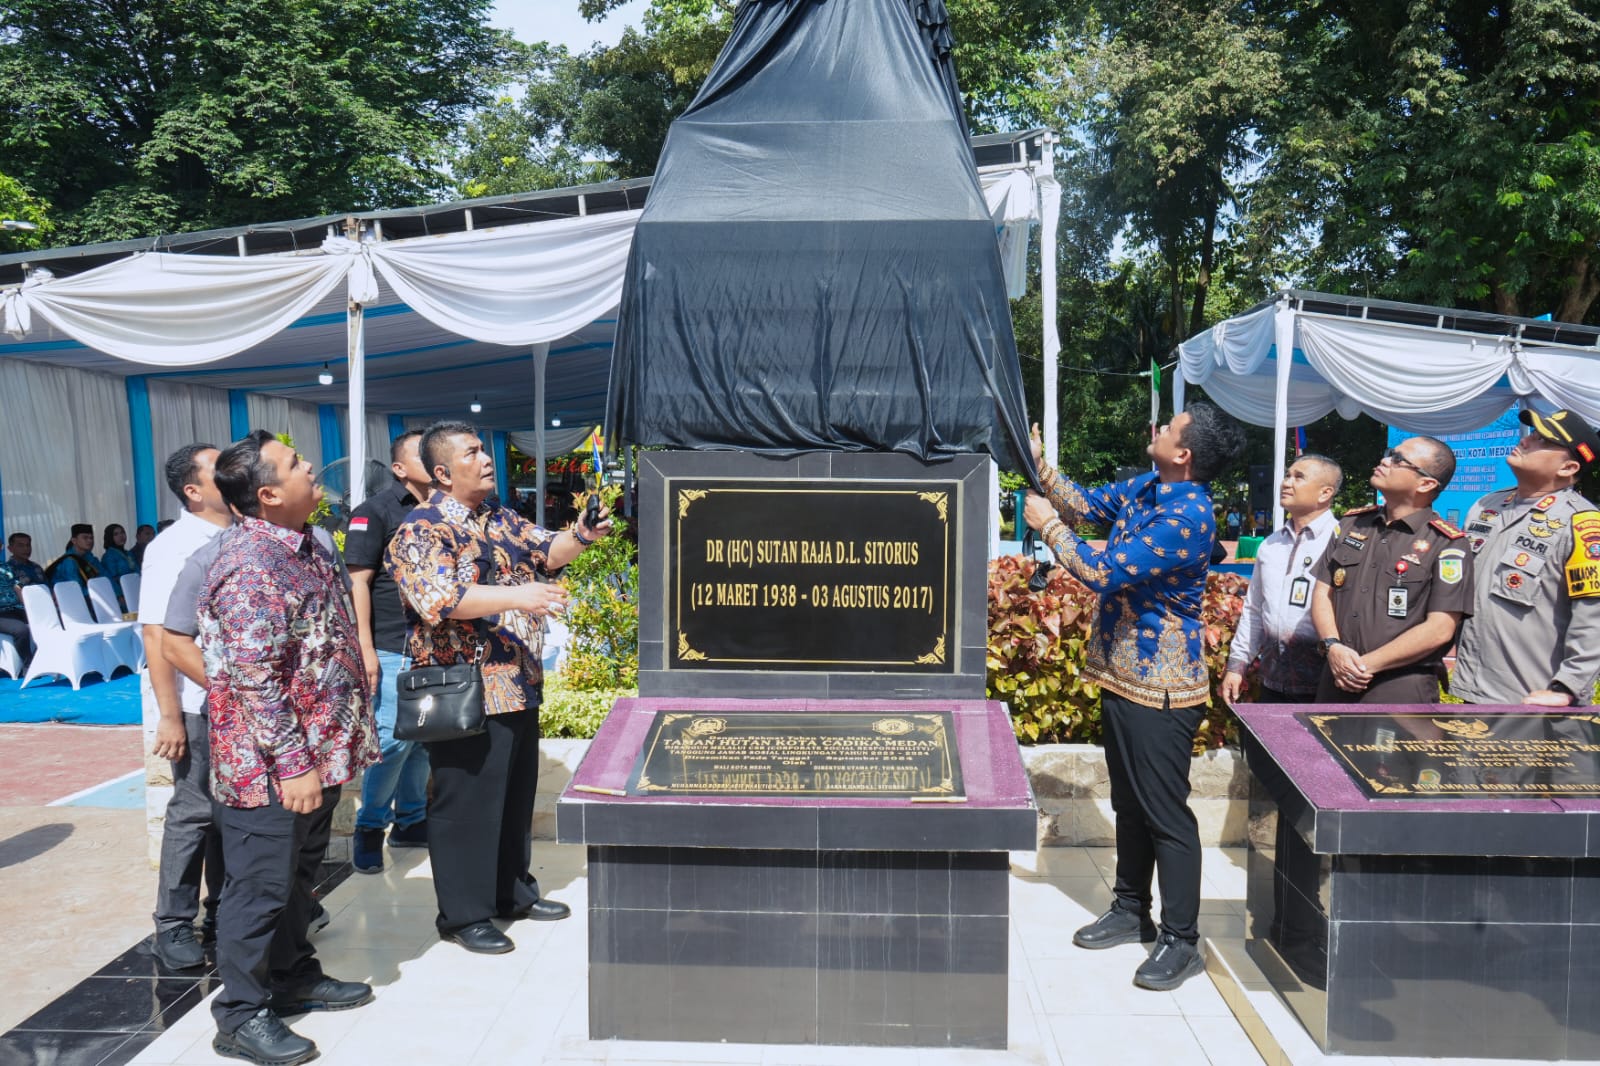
1116	926
266	1041
366	851
208	929
177	949
1172	963
409	836
325	993
319	919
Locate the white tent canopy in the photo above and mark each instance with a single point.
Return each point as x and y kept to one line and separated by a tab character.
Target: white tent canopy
1424	369
517	318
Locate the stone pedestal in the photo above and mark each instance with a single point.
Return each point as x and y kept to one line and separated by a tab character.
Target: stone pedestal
800	921
1446	928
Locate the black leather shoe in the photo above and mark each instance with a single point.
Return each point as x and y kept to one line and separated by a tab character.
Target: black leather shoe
481	937
176	948
1172	963
409	836
540	910
325	993
1115	926
265	1040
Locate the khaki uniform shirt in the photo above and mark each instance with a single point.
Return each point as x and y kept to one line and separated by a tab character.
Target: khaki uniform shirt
1384	578
1536	615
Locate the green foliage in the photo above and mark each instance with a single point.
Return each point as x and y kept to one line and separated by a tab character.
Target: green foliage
144	116
603	612
575	713
19	205
1037	649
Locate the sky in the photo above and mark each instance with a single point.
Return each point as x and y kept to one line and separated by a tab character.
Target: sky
558	22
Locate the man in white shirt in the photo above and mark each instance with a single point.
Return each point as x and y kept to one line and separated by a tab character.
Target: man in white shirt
189	841
1276	621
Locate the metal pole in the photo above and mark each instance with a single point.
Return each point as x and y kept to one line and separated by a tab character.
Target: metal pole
540	353
1283	343
1049	219
356	359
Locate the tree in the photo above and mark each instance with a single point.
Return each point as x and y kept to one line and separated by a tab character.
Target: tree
1443	152
18	205
1170	95
135	117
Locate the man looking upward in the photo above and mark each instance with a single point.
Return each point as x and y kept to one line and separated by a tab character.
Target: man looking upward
1394	584
1147	654
1276	621
1534	634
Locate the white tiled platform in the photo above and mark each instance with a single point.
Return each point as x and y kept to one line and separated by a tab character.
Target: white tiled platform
441	1006
437	1005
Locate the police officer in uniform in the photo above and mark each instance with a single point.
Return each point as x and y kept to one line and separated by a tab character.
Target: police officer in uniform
1393	585
1534	635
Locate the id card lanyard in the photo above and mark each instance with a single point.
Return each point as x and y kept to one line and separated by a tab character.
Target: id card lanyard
1300	587
1398	595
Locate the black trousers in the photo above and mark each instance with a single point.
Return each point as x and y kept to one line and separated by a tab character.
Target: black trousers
1272	695
189	840
480	818
1148	750
271	855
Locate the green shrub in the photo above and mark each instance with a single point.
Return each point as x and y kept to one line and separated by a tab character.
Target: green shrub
603	612
575	713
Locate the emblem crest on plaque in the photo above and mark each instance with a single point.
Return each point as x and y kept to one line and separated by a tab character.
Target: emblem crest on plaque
892	727
1466	730
706	727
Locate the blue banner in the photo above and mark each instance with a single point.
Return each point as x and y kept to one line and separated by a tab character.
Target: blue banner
1480	463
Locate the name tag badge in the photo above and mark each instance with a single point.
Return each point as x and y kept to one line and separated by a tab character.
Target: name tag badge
1399	599
1299	590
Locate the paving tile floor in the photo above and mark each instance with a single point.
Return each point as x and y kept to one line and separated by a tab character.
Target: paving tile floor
436	1004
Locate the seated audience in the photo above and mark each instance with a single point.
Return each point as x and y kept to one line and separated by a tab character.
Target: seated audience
27	572
77	562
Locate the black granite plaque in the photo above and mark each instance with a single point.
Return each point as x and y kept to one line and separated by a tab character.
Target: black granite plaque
842	754
1455	753
811	575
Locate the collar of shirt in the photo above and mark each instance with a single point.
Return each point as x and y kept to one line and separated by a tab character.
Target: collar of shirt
1411	523
295	540
456	511
403	495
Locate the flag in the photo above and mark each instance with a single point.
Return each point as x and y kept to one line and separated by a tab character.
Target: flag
1299	441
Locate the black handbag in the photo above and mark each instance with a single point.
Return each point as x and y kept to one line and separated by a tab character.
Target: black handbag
440	702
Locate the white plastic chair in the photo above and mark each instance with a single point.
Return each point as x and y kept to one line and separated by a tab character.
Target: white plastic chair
10	658
122	638
103	600
56	651
130	591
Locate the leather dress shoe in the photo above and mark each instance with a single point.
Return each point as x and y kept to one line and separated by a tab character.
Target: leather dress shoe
1115	926
266	1041
1172	963
480	937
540	910
325	993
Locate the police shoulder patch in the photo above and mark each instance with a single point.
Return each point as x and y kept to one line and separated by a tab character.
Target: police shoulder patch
1583	565
1447	529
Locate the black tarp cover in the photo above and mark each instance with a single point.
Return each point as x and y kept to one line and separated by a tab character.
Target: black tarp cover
816	267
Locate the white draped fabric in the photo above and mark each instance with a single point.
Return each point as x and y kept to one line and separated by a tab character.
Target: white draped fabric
278	415
179	415
1423	379
1419	378
1014	206
556	441
66	457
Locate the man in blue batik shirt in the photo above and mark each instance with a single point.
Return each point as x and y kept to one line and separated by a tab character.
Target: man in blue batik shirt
1147	654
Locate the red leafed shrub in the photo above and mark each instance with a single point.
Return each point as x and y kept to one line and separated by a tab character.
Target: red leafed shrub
1036	653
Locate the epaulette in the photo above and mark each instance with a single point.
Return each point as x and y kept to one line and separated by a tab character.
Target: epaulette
1447	529
1360	510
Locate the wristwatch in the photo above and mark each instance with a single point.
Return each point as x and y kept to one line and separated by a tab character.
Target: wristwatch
1328	643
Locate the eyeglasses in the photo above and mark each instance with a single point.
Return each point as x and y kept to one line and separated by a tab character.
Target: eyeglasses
1394	458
